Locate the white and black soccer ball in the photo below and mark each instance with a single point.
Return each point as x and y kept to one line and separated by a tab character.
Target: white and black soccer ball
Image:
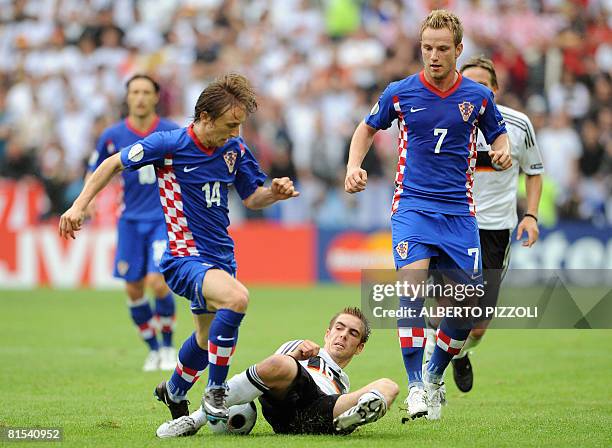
242	418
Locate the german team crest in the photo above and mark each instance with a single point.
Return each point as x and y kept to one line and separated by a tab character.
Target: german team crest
230	159
466	108
402	249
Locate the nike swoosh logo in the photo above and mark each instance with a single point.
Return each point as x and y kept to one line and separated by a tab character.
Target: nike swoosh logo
221	338
475	276
413	110
187	169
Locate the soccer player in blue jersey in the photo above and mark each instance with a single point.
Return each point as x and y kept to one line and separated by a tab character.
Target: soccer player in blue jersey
195	167
433	212
141	230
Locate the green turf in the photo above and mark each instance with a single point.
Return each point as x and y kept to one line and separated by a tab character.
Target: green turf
72	359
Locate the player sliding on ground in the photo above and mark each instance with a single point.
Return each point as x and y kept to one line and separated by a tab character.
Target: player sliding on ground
303	389
433	213
195	167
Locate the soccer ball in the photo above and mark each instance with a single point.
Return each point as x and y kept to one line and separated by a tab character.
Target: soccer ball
242	418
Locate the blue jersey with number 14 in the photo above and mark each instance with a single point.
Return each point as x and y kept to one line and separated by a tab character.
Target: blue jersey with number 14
193	183
437	141
140	196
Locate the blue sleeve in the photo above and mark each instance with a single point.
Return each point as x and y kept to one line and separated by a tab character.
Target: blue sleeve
248	174
149	151
491	122
104	148
383	113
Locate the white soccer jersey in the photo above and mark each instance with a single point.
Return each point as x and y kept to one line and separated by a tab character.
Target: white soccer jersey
328	375
495	191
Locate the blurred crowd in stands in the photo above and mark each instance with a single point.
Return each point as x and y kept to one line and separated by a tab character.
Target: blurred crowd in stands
318	67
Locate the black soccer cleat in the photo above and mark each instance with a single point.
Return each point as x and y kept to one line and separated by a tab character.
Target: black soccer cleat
176	409
463	374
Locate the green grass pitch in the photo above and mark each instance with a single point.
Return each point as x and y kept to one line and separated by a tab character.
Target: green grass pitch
72	359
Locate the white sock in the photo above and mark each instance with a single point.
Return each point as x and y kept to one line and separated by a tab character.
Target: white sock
245	387
430	345
470	343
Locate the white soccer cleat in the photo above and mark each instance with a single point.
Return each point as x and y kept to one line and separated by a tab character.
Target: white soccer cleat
180	427
370	407
167	358
151	363
434	400
416	403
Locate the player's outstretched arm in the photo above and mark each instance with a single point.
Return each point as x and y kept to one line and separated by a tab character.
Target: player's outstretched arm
281	188
72	220
356	177
500	151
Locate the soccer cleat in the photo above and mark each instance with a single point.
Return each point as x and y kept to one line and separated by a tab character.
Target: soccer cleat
151	363
167	358
434	400
462	373
181	427
213	404
370	407
416	403
177	410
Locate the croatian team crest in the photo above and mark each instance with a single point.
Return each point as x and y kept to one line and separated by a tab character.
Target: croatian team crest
466	108
402	249
230	159
122	267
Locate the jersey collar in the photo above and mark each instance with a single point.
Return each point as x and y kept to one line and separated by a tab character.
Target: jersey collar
437	91
141	133
206	150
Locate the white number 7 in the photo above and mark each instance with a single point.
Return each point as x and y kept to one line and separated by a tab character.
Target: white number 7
442	133
474	251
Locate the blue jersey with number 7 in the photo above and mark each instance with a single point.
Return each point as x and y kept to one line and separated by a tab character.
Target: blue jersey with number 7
437	141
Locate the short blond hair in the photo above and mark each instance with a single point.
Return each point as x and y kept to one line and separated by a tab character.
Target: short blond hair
441	18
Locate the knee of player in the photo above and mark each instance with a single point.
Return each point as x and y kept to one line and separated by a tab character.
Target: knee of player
239	299
276	367
159	287
389	388
134	290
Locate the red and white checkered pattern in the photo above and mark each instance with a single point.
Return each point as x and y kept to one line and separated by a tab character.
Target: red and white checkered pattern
411	337
188	374
147	330
402	148
220	356
469	174
180	238
448	344
167	323
483	107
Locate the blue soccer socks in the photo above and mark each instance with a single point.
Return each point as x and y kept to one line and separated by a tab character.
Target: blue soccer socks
142	315
222	338
450	337
411	333
192	361
165	313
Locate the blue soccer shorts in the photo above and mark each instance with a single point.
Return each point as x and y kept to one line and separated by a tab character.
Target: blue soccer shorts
140	246
451	242
185	275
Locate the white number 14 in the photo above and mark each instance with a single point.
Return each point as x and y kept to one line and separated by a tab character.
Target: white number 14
442	133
